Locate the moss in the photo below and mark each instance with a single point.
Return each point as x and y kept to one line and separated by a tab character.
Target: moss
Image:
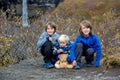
110	61
116	61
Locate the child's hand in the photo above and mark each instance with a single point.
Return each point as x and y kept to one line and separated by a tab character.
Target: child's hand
51	39
59	51
74	63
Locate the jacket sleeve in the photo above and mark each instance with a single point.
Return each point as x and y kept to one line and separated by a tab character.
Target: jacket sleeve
41	41
66	51
98	51
55	38
55	50
68	47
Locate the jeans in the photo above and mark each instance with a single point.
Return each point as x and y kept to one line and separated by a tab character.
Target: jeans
47	52
80	51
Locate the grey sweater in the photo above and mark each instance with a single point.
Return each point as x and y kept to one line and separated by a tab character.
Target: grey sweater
43	39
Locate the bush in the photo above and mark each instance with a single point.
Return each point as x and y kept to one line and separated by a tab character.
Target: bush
5	43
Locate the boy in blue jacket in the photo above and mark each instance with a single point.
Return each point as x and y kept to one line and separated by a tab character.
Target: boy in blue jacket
86	44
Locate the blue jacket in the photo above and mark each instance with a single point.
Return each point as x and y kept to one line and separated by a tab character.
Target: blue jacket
88	42
65	49
44	37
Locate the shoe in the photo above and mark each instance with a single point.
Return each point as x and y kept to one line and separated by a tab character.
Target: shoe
49	65
77	66
90	64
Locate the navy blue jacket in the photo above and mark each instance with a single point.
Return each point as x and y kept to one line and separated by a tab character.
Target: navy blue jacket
65	50
88	42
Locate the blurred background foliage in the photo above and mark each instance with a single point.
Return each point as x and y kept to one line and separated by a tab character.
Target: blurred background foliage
18	43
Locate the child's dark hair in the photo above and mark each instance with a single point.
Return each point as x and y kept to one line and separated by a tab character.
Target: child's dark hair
52	25
87	24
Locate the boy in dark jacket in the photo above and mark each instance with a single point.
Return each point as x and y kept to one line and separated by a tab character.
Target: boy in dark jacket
63	46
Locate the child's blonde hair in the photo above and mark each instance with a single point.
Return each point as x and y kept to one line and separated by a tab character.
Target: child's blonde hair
63	38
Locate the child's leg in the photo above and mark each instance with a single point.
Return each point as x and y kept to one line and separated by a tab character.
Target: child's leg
53	59
46	51
89	55
78	52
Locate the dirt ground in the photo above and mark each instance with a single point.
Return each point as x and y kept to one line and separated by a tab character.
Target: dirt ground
33	69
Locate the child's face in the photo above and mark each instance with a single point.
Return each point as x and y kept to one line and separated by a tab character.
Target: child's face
63	44
85	30
50	30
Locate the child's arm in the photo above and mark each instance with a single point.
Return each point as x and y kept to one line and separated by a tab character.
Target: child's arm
59	51
68	47
54	38
55	51
98	51
66	50
41	40
74	63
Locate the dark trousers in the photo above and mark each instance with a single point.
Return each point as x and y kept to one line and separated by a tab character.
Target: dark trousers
80	51
47	52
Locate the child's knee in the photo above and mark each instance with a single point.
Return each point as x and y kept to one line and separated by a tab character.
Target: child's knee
79	45
90	51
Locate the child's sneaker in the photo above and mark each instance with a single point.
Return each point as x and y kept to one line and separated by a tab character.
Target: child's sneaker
89	64
77	66
49	65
